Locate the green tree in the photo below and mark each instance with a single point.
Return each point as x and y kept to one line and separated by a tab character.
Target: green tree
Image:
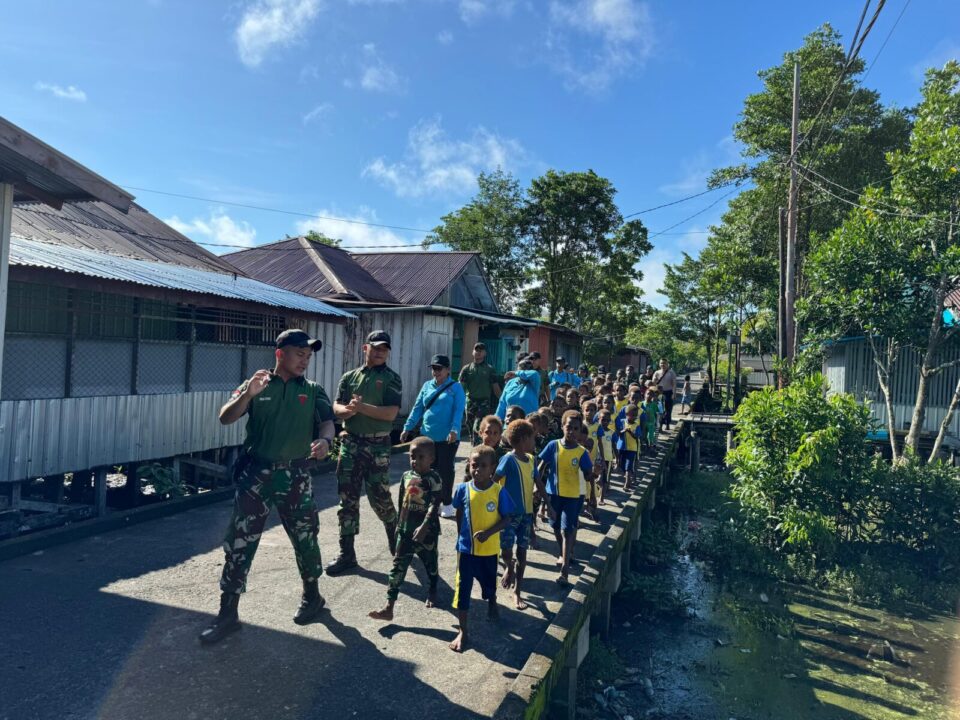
888	270
314	236
583	256
490	224
665	334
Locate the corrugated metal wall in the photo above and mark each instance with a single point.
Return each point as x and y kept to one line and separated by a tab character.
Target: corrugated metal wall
854	362
327	367
43	437
415	337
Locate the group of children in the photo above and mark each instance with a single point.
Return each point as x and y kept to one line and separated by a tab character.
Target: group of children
557	461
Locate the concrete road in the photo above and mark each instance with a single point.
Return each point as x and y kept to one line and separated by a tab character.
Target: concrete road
107	627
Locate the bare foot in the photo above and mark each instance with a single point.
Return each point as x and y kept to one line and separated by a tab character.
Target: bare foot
508	577
459	642
385	614
519	602
432	599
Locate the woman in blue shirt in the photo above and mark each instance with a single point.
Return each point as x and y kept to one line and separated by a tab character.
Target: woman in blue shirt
439	405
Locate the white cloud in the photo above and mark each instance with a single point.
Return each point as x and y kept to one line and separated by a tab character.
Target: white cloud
354	234
267	24
653	275
70	92
318	113
376	75
474	10
216	230
942	52
445	37
436	165
594	42
697	169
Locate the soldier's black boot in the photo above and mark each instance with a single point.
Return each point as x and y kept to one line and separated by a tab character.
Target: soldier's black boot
226	622
311	603
392	537
346	560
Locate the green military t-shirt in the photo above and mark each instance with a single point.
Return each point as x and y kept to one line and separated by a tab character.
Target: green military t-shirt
377	386
478	381
282	419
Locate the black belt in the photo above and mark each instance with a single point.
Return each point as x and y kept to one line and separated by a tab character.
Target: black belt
298	464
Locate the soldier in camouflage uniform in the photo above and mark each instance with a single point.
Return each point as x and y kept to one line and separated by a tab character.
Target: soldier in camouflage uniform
285	412
482	384
368	401
419	525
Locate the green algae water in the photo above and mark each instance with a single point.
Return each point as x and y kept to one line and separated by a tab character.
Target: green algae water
745	648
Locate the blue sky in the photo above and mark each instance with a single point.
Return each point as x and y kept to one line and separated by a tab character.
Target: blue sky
385	110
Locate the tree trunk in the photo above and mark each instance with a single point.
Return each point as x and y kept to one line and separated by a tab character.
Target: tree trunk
927	367
883	368
946	422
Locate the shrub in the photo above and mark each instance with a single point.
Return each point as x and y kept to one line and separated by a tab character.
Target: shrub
803	468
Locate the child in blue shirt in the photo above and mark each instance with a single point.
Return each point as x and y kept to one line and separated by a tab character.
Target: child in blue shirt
483	510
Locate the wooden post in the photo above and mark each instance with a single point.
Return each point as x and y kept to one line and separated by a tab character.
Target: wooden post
15	496
100	490
53	488
694	451
132	489
6	212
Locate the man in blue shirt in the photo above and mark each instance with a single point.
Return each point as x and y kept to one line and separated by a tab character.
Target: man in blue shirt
522	388
439	412
559	376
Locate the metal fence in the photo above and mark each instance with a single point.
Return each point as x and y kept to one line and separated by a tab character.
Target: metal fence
64	343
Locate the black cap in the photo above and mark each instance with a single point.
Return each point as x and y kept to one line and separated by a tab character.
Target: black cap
479	346
441	360
560	359
298	338
583	367
534	355
378	337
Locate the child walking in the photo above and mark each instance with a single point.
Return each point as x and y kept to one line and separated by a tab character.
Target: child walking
516	473
651	409
483	510
562	462
418	525
631	431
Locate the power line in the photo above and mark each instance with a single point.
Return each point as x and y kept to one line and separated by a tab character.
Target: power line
677	202
891	213
691	217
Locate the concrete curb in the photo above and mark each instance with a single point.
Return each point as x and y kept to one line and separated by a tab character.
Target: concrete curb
553	663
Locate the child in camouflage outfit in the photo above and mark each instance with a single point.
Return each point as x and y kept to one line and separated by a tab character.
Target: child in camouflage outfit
418	526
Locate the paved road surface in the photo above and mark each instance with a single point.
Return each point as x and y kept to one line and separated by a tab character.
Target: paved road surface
106	628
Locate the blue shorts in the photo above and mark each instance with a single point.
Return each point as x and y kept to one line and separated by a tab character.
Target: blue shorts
483	568
629	460
517	532
566	512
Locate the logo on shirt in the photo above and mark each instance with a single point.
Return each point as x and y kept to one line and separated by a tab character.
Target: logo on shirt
574	462
491	506
303	398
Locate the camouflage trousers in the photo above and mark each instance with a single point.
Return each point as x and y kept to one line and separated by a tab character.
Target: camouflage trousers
406	549
363	464
476	411
291	492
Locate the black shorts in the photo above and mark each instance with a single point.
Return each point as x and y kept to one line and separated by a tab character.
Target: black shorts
483	568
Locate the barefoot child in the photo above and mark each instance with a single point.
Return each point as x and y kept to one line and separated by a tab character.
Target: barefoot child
561	463
418	526
631	430
687	397
651	411
606	433
483	510
516	474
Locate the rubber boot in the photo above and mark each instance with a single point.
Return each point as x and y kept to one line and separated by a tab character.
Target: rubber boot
392	538
226	622
311	603
347	558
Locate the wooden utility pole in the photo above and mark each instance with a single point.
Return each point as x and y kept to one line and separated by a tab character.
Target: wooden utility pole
790	293
781	316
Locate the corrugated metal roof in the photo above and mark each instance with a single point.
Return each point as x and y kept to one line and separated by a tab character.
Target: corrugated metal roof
415	278
96	226
31	253
287	264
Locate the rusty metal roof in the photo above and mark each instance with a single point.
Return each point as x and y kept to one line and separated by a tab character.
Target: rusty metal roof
85	261
311	268
416	278
95	225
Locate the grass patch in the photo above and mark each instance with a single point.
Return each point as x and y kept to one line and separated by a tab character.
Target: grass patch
600	668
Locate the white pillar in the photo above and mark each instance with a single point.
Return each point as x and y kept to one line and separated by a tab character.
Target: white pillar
6	214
